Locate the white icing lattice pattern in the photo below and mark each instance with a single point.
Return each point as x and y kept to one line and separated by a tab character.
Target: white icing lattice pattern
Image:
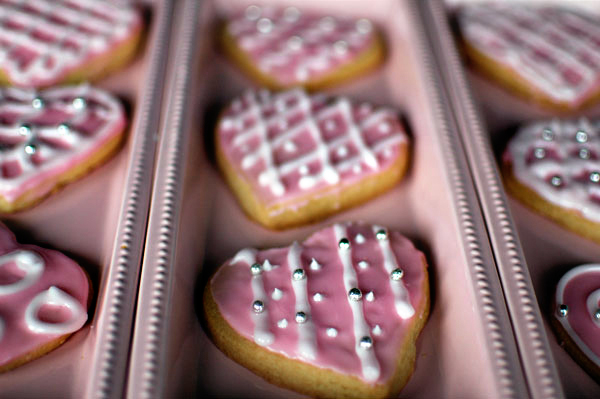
292	142
560	160
42	40
557	50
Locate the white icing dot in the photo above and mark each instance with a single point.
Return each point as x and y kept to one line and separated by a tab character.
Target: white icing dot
363	26
331	176
357	168
370	297
282	323
294	43
363	264
227	123
252	13
377	330
264	25
277	294
306	182
332	332
342	151
267	266
314	265
303	170
359	239
302	74
327	23
290	146
318	297
385	127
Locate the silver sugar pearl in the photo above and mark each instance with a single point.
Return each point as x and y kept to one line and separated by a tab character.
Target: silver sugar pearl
364	26
24	130
539	153
381	234
556	181
30	149
264	25
258	306
595	177
597	314
63	128
301	317
355	294
581	136
37	103
397	274
548	134
79	103
584	153
298	274
291	14
366	342
563	310
344	243
294	43
256	269
252	12
340	47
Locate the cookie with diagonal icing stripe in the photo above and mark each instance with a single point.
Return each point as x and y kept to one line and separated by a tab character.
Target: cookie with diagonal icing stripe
286	47
335	316
292	158
52	137
548	54
576	317
48	42
554	168
43	300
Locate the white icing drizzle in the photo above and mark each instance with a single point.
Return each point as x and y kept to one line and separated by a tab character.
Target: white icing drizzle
57	297
576	193
307	340
105	25
27	261
541	49
592	305
271	175
369	363
401	297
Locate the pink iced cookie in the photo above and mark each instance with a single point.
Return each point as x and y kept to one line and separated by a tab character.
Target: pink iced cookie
554	167
547	53
46	42
284	47
577	315
43	300
292	158
51	137
335	316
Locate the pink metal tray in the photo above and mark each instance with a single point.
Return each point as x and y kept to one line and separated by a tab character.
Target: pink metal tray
532	252
100	221
467	348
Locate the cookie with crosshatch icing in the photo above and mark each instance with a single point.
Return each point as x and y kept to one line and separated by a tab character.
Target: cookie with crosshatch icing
286	47
44	297
48	42
293	158
548	54
51	137
577	316
554	167
335	316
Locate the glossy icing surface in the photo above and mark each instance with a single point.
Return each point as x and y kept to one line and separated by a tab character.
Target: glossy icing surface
43	40
43	295
294	46
560	160
44	134
291	143
351	332
579	289
556	50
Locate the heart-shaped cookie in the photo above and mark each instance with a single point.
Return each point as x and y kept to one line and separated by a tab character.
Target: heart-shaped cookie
51	137
284	47
43	300
292	158
47	42
554	167
577	315
335	316
549	54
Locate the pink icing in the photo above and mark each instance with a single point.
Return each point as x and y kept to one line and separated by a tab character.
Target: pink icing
293	46
579	289
291	144
556	49
42	135
16	335
560	160
42	41
234	290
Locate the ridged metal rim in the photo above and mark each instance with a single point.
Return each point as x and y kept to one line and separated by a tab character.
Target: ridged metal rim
536	356
146	376
114	325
